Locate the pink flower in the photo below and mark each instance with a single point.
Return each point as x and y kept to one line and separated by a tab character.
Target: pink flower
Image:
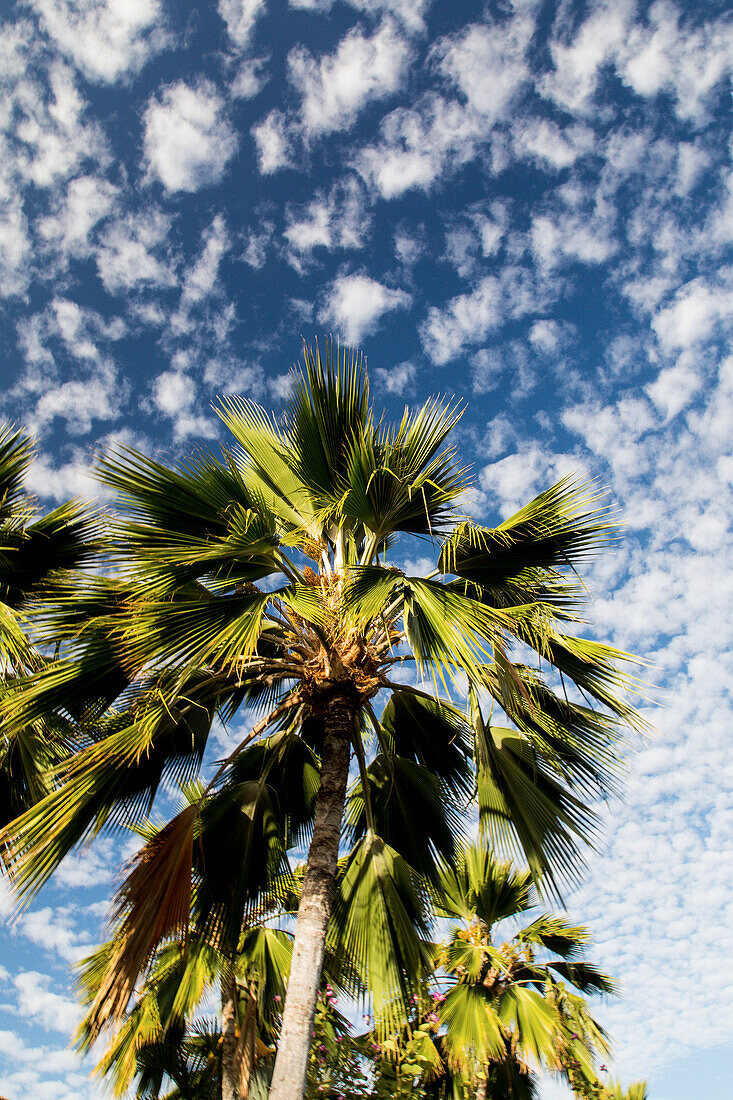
277	997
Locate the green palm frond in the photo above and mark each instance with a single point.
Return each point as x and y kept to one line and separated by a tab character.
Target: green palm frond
524	804
527	1013
536	547
637	1091
113	779
328	407
557	935
475	885
432	733
412	811
474	1033
380	924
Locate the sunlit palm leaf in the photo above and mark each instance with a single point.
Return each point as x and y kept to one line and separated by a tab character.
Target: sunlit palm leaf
379	921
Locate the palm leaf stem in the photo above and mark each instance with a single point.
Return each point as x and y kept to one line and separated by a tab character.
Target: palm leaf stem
288	704
359	749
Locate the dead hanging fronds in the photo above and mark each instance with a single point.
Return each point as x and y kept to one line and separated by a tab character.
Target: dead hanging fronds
154	902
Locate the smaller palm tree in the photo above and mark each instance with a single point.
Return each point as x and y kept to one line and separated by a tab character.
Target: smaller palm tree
517	1003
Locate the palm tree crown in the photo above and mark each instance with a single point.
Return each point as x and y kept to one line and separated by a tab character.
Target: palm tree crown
260	576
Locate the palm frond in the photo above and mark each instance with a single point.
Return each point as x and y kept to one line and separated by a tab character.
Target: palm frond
412	810
379	922
153	903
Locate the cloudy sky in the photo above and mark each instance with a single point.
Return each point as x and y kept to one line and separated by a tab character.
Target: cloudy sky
528	205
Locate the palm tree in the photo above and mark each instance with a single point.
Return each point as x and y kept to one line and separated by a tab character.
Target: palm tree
505	1006
33	548
310	507
160	1036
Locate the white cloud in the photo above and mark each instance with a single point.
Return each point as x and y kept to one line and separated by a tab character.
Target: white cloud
568	237
272	141
674	387
409	12
397	379
50	479
201	278
508	484
418	145
87	201
37	1002
686	60
336	87
55	930
15	250
338	219
466	319
188	139
355	303
577	64
133	252
548	336
55	137
546	142
240	17
81	401
104	38
257	243
651	56
694	315
487	62
174	394
250	78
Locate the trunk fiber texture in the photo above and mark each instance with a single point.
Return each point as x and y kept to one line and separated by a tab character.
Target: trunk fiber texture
229	1037
319	884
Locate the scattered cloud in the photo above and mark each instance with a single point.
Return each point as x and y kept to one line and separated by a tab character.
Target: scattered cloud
487	62
398	379
354	305
174	394
272	142
15	249
104	38
240	17
697	310
201	279
134	252
337	219
410	13
188	139
336	87
39	1003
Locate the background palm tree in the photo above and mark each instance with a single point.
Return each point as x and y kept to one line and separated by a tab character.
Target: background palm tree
33	549
309	506
508	1006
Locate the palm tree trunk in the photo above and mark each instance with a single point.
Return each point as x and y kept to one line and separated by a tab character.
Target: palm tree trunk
481	1087
229	1037
319	884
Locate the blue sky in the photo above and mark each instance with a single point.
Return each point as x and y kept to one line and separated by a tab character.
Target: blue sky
528	205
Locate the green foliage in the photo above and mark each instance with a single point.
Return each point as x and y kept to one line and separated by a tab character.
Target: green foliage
210	608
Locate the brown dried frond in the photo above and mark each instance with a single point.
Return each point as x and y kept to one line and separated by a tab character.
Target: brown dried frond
155	902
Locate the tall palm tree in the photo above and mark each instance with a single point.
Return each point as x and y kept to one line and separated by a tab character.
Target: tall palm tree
261	575
33	548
